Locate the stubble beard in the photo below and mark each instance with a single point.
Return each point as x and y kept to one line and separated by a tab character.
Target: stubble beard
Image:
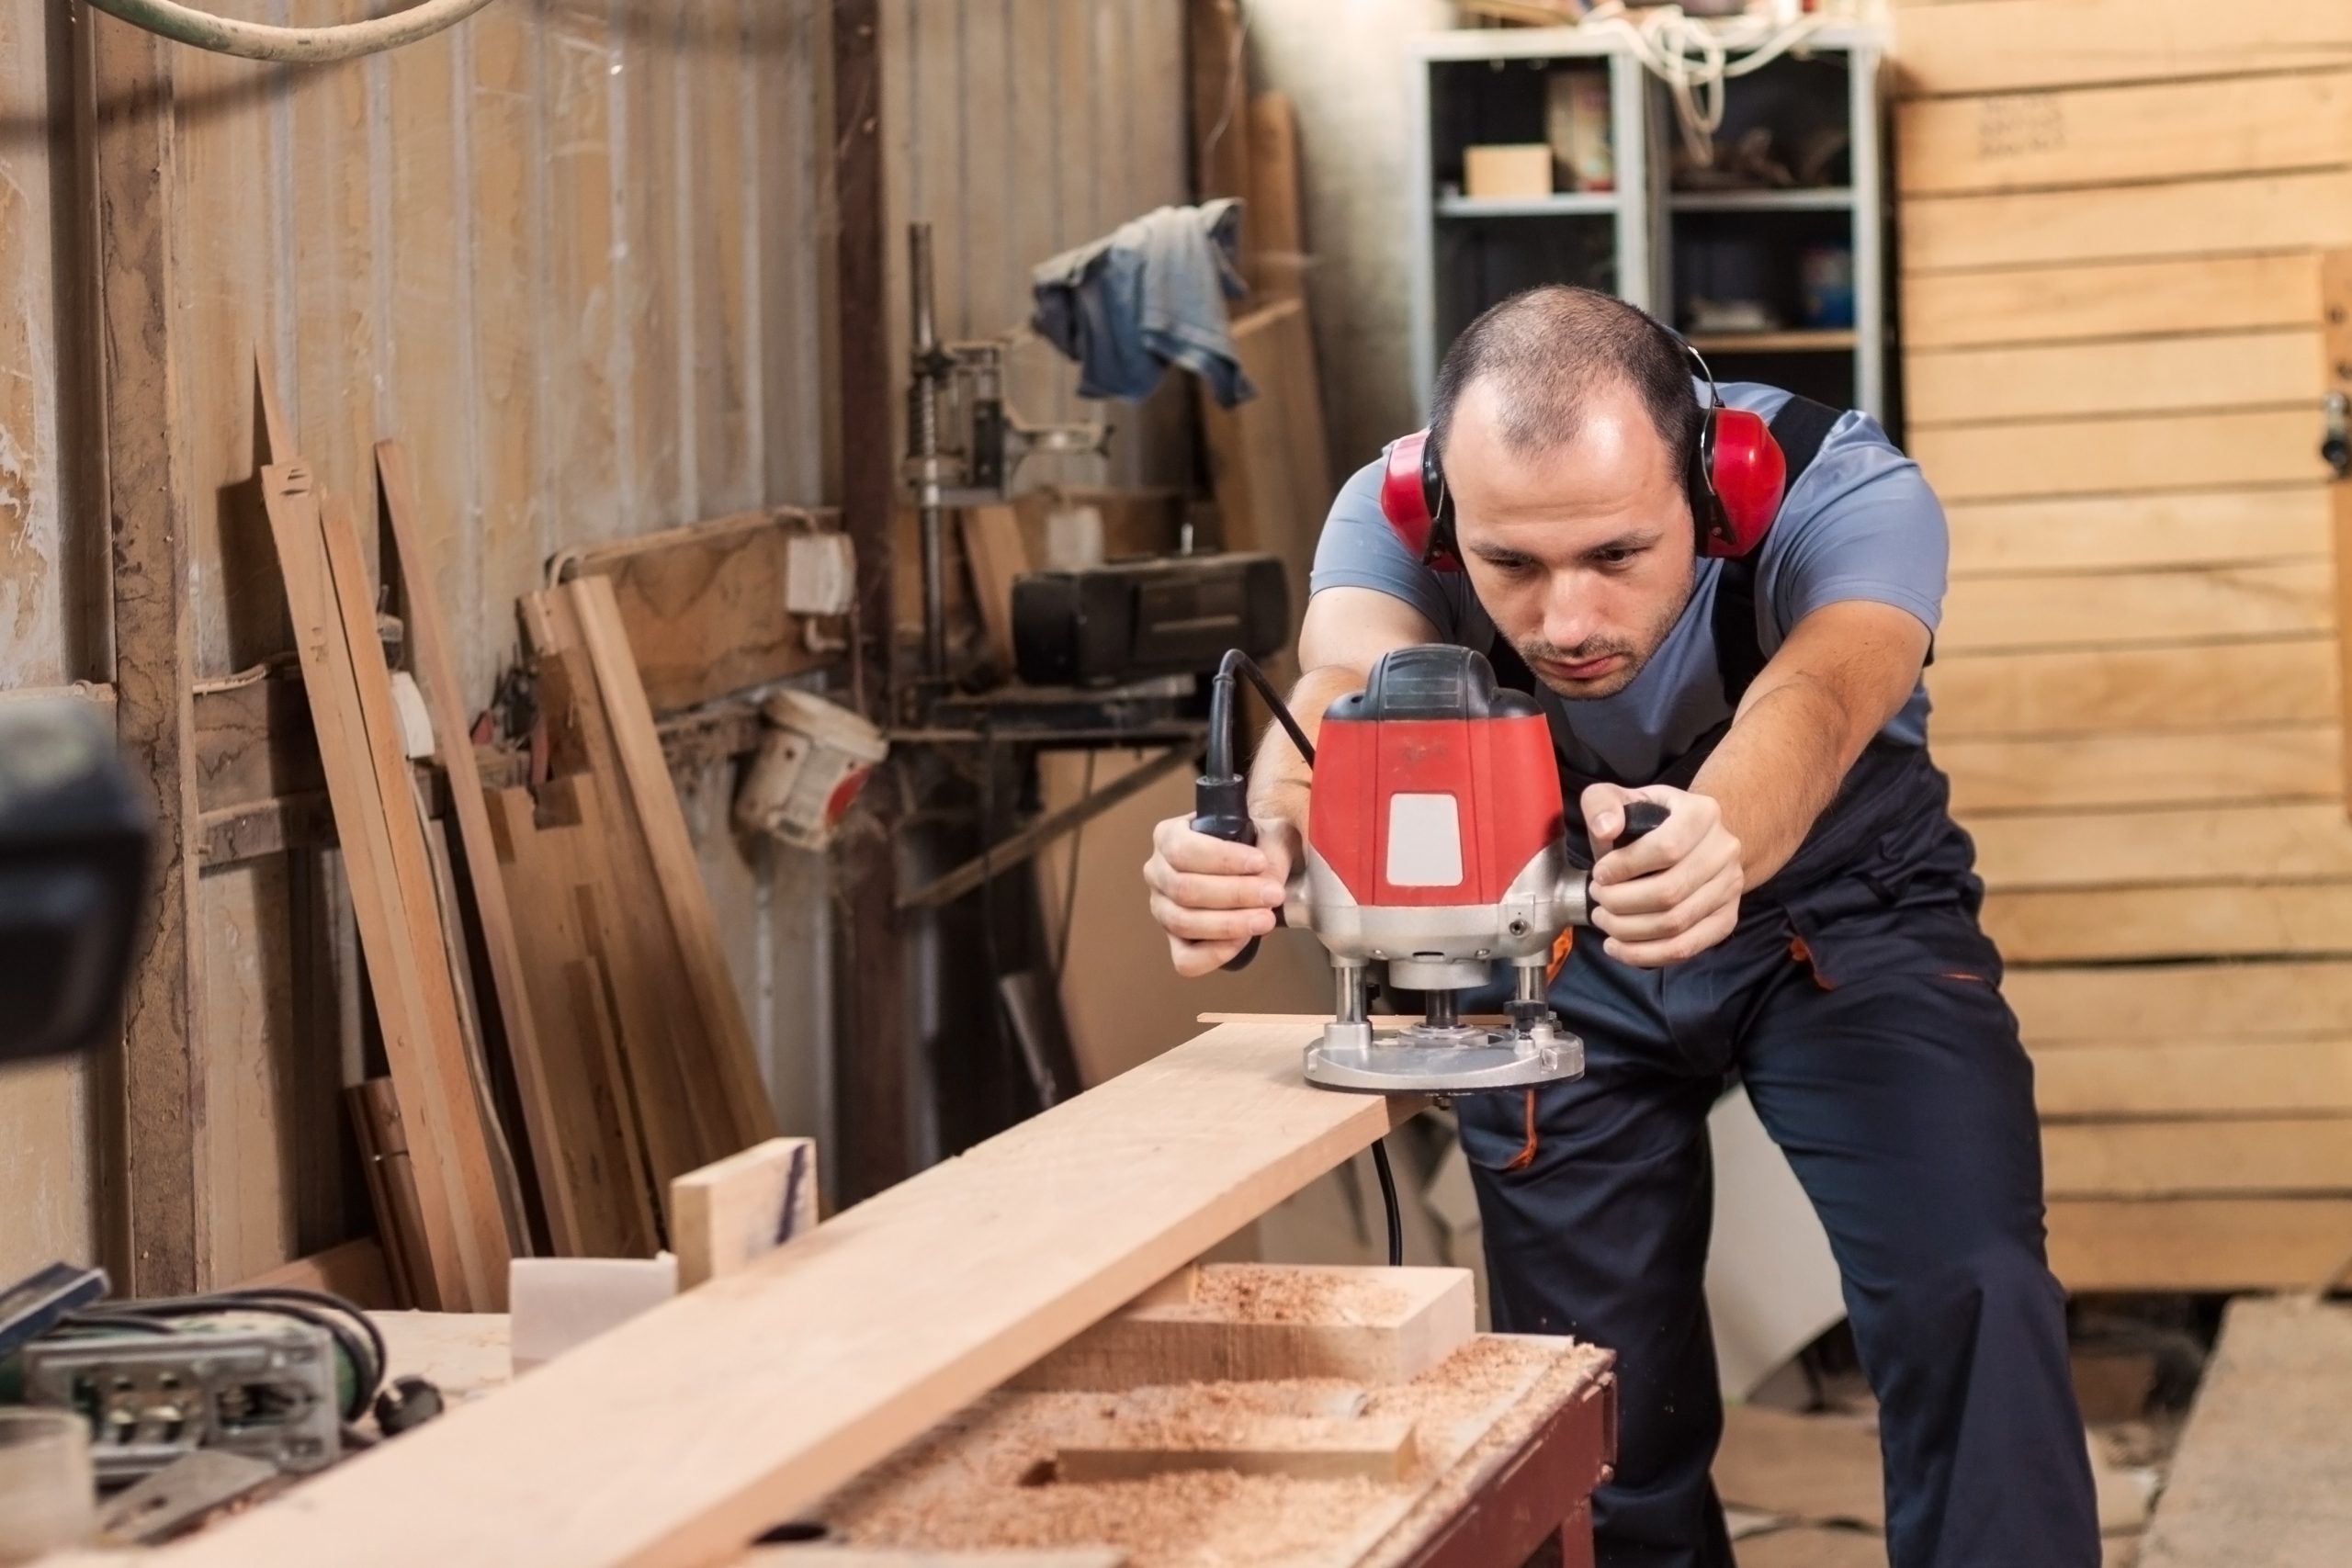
1537	652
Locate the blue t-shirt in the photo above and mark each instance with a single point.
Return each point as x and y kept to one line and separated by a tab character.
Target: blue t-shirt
1861	523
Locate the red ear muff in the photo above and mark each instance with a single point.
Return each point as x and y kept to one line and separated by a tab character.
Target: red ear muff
1743	475
1412	498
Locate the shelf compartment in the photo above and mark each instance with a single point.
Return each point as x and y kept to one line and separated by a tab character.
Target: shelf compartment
1809	340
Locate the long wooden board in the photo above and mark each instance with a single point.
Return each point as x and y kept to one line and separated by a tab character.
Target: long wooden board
2110	299
1995	46
2157	375
2266	843
2115	135
683	1434
2258	685
2218	767
2308	211
2185	1003
2103	533
2195	1243
2160	1078
652	803
2196	604
436	670
705	605
385	857
2241	921
2276	1155
2125	453
2260	1480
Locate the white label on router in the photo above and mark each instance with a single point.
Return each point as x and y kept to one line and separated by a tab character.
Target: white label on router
1424	841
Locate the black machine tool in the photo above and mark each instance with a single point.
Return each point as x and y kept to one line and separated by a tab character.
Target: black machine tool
1133	620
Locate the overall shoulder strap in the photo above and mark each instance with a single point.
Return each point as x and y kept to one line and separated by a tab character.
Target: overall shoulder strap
1800	428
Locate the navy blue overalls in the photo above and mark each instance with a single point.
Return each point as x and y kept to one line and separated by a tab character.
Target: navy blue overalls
1859	1001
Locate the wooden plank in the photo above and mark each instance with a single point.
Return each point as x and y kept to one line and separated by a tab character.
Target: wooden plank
2110	299
435	668
995	553
1085	1206
2113	135
2118	608
392	1182
2182	1002
2267	842
2278	763
2109	691
2100	533
1274	203
1269	462
2278	1155
2157	375
2126	453
1247	1322
1304	1448
2243	921
349	690
652	801
731	1214
2160	1077
354	1271
163	1230
2259	1475
1979	47
2336	285
2195	1243
2304	212
584	1141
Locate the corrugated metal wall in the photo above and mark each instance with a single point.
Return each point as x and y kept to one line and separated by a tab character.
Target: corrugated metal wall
575	257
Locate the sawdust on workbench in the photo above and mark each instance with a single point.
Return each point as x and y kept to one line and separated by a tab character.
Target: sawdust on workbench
1244	1293
983	1479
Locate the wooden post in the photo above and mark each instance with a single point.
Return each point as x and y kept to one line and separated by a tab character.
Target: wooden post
135	179
2335	346
870	1042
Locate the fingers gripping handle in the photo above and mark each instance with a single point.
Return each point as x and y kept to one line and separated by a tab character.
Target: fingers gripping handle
1643	817
1221	809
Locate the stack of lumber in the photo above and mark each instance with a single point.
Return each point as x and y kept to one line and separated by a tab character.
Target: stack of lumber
2122	311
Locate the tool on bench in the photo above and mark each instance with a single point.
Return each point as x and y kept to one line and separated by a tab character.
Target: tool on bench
1146	616
1435	848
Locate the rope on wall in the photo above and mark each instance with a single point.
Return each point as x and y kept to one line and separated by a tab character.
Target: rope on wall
298	46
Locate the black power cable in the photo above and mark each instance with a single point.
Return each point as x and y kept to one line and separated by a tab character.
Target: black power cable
1220	798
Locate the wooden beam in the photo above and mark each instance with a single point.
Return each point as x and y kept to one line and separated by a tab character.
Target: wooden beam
2124	454
2110	299
698	1444
2198	1079
2284	1156
2335	368
2124	376
2101	533
2248	920
729	1214
2114	135
2210	767
2094	691
2182	1002
874	1082
2196	604
2004	46
167	1231
2269	842
2195	1243
2304	212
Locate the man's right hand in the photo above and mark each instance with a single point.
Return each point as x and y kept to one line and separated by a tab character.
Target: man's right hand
1211	896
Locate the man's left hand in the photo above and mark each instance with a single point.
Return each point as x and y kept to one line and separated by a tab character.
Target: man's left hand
1673	893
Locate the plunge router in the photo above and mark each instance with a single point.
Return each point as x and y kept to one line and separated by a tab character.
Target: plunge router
1436	847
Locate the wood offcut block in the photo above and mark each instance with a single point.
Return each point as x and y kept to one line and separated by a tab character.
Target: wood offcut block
1249	1322
1380	1450
743	1207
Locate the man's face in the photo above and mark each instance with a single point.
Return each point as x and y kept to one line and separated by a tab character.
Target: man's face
1583	554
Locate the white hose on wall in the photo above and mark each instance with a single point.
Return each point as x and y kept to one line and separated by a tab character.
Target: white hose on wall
297	46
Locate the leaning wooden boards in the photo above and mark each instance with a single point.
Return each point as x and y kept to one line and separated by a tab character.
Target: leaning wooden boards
681	1435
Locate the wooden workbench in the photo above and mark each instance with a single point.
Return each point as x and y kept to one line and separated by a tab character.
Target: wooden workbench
1512	1434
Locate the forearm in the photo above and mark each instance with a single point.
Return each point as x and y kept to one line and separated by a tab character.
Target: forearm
1278	779
1778	768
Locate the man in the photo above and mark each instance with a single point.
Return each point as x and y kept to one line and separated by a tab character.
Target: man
1807	918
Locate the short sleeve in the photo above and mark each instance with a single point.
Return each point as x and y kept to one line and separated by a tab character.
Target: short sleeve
1358	549
1860	524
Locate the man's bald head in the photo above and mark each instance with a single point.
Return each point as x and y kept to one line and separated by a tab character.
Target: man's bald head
1542	355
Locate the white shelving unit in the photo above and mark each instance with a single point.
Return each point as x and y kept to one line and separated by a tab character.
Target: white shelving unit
1457	239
